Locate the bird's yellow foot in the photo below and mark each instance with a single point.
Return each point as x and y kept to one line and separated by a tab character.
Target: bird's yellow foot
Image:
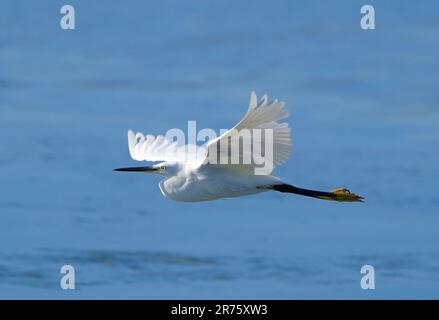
344	195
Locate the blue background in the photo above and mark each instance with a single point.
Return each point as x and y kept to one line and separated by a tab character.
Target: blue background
365	116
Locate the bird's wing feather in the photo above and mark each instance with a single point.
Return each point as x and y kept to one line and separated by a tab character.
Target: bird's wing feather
160	148
261	115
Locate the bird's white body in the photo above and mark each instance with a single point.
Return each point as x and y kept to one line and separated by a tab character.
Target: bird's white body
200	180
210	182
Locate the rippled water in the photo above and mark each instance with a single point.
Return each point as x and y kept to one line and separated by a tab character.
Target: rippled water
365	115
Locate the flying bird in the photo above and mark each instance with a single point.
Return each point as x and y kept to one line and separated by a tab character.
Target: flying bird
190	175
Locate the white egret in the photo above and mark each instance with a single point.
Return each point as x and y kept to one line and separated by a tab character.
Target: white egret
194	178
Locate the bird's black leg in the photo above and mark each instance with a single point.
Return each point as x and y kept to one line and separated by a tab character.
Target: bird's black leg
341	195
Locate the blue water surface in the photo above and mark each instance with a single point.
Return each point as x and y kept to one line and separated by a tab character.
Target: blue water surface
364	113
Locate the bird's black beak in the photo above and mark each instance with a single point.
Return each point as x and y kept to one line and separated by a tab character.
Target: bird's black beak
138	169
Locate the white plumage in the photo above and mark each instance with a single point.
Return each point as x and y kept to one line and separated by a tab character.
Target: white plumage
261	115
158	148
194	173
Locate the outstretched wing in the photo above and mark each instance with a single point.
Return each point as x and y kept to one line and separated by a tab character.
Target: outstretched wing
160	148
260	115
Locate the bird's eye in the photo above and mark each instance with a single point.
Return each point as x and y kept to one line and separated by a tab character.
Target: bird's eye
162	168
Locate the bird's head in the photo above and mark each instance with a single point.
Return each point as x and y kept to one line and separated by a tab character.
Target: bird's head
164	168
